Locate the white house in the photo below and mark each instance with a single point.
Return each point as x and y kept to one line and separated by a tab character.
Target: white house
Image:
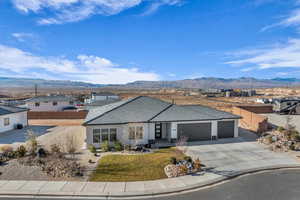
101	96
12	117
49	103
146	120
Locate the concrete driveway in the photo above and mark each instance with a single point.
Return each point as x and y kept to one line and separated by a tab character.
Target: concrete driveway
227	156
47	135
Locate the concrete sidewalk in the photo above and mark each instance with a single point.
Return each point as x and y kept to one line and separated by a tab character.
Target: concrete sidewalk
126	189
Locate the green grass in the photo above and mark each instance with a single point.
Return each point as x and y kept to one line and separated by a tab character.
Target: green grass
144	167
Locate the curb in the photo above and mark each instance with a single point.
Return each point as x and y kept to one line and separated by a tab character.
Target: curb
148	193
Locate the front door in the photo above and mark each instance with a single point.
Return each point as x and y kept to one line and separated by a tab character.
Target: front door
158	128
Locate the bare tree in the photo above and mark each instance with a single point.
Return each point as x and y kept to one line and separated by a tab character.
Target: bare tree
70	145
181	145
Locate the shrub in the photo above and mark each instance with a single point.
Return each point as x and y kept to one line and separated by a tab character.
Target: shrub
32	142
197	164
127	147
173	160
269	139
118	146
55	149
280	129
92	148
188	159
21	151
105	146
183	170
6	149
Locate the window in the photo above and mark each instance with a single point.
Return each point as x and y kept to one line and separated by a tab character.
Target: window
6	121
139	132
104	134
54	103
131	133
96	135
113	135
37	104
71	102
135	132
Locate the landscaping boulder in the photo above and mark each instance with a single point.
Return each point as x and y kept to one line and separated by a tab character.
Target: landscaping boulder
172	171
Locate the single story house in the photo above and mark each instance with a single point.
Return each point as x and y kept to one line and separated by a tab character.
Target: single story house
49	103
101	96
146	120
11	117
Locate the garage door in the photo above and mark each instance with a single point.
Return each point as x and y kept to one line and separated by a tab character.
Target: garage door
195	131
225	129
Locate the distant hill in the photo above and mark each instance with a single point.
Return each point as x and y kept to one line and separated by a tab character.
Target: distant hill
26	83
208	82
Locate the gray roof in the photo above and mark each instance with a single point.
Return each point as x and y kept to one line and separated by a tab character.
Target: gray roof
192	113
5	110
104	94
50	98
148	109
102	102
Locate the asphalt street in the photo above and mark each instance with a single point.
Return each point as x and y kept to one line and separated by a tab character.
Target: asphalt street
272	185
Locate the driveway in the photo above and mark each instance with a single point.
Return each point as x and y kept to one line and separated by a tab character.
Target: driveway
47	135
19	136
227	156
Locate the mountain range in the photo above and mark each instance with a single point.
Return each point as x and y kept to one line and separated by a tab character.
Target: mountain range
203	83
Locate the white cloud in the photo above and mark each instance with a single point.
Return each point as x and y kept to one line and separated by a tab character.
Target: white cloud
21	37
75	10
84	68
279	56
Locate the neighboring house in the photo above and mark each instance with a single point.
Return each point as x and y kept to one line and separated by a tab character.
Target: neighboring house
101	96
12	117
99	103
146	120
49	103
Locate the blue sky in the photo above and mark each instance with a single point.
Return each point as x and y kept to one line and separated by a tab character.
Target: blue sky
119	41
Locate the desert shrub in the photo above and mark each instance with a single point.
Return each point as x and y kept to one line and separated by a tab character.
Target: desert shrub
105	146
280	129
32	142
188	158
269	139
197	164
183	170
6	149
21	151
173	160
118	146
55	149
8	152
294	135
127	147
92	148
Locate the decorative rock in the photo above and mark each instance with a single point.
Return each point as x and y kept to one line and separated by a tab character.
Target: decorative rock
171	171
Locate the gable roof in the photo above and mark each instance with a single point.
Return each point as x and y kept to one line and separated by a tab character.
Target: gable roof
58	98
148	109
139	109
192	113
5	110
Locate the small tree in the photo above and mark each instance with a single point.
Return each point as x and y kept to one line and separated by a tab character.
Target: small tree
71	145
181	145
32	142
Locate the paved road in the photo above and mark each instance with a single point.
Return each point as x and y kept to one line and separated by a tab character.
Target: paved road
275	185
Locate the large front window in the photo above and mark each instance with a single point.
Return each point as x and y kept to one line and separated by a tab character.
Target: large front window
104	134
96	135
136	133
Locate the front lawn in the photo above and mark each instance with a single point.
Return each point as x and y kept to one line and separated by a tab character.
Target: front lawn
150	166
